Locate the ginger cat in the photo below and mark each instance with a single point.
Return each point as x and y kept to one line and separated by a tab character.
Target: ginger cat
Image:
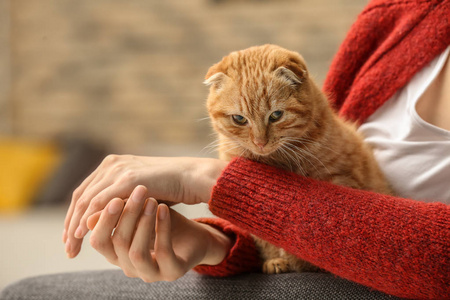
264	106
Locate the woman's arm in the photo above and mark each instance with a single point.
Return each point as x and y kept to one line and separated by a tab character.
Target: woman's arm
395	245
174	179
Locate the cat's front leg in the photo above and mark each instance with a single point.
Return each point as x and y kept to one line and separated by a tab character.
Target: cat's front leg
274	258
276	266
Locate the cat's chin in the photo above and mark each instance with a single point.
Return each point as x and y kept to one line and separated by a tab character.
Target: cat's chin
264	153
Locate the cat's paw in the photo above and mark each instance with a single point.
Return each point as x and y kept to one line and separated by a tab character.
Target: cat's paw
276	266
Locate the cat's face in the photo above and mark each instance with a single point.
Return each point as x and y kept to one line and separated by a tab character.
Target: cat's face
257	100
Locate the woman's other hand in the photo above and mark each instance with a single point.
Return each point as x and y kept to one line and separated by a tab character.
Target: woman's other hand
154	242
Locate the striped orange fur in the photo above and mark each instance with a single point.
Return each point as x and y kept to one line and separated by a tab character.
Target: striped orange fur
249	89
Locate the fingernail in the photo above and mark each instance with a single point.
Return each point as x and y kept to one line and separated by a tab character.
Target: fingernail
162	212
149	207
138	194
79	233
114	208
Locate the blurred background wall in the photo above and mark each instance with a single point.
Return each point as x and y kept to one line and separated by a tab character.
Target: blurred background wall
128	74
123	76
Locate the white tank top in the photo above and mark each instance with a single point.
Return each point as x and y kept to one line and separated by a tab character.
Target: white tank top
413	154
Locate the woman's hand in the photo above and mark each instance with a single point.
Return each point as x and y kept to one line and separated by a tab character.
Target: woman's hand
165	253
187	180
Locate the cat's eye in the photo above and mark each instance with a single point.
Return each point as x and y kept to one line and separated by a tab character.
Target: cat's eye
238	119
275	116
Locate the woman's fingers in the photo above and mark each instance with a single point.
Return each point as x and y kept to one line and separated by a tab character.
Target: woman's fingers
75	197
142	242
101	235
124	233
109	172
169	265
93	220
97	204
75	240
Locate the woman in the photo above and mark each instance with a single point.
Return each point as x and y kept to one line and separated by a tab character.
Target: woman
397	245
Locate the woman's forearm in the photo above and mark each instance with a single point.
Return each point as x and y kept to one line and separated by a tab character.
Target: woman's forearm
398	246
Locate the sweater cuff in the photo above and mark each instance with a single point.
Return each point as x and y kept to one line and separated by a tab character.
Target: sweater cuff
242	257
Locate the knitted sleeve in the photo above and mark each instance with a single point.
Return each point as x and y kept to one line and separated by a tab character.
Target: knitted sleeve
243	256
395	245
390	42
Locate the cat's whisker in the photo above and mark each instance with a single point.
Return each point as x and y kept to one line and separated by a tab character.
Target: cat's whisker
232	148
288	158
303	140
305	150
243	152
229	145
215	142
285	158
292	156
309	161
213	146
320	145
280	152
203	119
209	150
300	158
297	153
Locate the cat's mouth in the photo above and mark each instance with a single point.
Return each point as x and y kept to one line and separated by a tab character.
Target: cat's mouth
264	151
251	150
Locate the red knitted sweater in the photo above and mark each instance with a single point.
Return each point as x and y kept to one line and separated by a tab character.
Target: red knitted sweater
395	245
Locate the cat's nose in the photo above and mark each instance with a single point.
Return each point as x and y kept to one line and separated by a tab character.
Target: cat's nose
261	143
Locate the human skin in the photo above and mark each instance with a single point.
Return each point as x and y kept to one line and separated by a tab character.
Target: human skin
122	232
187	180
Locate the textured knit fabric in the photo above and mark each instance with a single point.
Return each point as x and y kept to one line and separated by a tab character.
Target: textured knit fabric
113	285
399	246
386	46
395	245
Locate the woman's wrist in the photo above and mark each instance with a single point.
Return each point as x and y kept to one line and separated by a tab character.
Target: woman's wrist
218	245
201	177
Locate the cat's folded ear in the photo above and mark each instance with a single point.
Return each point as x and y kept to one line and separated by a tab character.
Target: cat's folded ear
288	76
215	77
293	71
216	80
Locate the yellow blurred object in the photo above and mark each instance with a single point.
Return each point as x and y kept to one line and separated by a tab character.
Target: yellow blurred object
24	167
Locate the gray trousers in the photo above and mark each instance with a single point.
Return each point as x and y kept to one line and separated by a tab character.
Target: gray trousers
112	284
